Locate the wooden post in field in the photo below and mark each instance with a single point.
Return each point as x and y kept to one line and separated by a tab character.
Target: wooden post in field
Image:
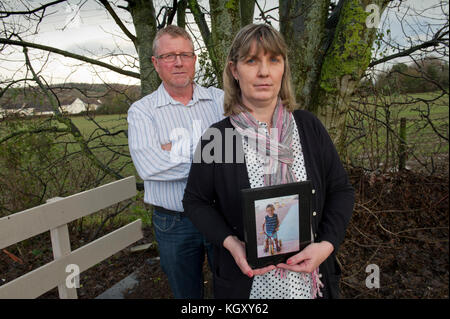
402	145
61	247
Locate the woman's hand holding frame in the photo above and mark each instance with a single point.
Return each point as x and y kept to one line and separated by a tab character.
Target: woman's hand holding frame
237	250
309	258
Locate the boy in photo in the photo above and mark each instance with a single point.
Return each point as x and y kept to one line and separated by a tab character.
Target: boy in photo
270	227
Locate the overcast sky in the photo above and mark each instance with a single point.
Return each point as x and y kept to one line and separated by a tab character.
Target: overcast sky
83	27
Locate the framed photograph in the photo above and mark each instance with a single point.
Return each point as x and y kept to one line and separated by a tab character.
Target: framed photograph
277	222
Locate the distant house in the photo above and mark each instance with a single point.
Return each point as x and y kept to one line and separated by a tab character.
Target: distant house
78	105
21	108
35	104
25	111
68	105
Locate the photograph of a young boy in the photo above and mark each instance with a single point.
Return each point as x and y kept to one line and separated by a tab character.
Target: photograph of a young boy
270	227
277	223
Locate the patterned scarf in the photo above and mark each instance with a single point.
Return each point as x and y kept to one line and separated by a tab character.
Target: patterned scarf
275	149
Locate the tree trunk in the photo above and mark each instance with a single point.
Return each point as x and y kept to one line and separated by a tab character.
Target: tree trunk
302	24
247	12
144	20
345	63
328	56
225	23
181	13
227	17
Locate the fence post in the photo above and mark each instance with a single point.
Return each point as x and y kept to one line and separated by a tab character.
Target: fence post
61	247
402	145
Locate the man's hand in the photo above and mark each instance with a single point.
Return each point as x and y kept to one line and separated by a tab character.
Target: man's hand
167	147
237	250
309	258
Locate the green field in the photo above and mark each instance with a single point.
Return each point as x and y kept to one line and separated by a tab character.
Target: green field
110	122
375	126
106	139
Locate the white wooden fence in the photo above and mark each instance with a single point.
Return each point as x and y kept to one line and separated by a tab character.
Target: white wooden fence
54	216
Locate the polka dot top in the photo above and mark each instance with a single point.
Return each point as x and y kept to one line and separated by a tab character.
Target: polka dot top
272	285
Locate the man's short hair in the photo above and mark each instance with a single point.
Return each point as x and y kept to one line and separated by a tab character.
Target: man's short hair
172	30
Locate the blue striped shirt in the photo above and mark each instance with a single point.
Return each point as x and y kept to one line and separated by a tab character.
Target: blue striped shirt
158	119
271	223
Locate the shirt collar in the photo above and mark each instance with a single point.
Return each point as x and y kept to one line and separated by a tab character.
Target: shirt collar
163	98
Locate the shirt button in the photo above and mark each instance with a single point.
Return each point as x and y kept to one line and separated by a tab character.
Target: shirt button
314	213
315	235
313	191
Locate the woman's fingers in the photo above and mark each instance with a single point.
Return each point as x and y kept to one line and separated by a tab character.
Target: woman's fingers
262	271
237	250
302	267
247	270
297	258
245	267
300	262
308	259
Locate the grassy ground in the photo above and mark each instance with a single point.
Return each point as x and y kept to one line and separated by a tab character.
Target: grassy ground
374	130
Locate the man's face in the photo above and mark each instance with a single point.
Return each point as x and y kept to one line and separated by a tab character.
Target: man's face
180	73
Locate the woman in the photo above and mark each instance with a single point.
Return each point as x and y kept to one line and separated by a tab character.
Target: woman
258	97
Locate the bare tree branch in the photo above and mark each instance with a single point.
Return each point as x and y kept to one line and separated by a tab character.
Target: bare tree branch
199	17
431	43
4	14
119	22
35	131
75	56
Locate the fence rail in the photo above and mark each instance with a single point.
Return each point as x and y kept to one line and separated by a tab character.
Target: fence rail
54	217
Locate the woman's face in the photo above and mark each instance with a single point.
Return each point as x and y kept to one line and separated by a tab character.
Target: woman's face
259	75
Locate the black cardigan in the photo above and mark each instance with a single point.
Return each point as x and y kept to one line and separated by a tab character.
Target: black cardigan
212	201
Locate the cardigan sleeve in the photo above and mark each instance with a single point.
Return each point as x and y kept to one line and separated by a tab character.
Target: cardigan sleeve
339	193
199	198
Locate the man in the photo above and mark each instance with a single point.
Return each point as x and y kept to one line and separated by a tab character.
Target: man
164	128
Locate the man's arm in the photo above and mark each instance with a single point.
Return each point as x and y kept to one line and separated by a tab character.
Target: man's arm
152	162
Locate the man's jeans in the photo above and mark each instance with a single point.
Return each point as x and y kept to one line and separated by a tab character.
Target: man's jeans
182	253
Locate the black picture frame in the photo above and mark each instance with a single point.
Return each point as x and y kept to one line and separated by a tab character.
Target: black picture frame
284	198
